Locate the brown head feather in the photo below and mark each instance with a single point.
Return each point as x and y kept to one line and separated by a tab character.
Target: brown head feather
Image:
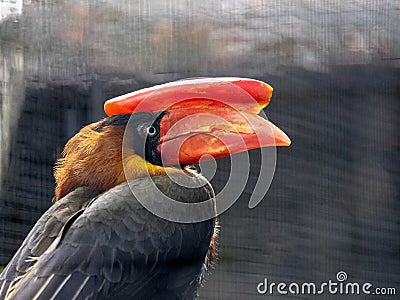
92	159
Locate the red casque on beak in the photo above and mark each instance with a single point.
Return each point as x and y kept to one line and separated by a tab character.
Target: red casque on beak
214	116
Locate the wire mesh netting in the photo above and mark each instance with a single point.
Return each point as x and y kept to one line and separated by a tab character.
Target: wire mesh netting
334	65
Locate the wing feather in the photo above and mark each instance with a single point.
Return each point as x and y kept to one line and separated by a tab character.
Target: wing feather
114	249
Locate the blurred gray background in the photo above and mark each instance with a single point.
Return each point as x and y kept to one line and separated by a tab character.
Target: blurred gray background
335	67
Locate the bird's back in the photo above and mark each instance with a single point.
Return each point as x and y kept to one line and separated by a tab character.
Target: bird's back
109	246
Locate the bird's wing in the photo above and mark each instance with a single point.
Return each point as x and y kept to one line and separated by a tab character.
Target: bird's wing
43	234
117	249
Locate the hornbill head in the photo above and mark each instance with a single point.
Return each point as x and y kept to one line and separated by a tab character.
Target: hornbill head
169	125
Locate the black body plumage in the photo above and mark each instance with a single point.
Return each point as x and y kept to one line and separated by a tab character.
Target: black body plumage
108	246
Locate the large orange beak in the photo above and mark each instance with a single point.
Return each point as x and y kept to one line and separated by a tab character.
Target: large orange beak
218	117
187	134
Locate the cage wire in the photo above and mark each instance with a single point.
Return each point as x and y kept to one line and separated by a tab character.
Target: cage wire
334	65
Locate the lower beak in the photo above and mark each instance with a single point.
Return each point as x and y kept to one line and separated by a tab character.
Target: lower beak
188	135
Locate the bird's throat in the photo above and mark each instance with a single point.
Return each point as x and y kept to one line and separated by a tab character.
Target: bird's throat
135	167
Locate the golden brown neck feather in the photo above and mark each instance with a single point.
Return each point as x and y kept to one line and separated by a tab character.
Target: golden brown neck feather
94	159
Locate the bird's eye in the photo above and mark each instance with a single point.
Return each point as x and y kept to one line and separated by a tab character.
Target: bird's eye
151	131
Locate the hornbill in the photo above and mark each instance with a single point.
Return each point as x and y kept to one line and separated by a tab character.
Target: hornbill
97	241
